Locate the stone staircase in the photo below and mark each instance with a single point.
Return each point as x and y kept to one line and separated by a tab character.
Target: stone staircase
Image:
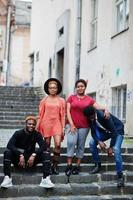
16	103
81	187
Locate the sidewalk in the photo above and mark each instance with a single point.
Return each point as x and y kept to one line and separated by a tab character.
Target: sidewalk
5	134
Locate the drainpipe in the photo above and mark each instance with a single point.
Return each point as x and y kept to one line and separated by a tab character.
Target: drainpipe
78	37
7	43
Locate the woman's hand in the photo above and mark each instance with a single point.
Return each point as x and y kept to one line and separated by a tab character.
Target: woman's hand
73	128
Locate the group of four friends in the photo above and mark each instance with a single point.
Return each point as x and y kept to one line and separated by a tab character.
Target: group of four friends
83	113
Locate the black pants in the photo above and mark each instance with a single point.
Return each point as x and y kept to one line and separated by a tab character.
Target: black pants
10	157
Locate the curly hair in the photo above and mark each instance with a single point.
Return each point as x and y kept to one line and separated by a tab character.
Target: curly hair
81	81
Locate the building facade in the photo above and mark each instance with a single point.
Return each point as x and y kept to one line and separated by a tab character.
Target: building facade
3	17
14	52
90	39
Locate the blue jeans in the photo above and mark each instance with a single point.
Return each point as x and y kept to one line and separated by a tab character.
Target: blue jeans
116	149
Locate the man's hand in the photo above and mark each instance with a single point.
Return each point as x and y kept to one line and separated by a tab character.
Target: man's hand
110	152
106	114
102	145
21	161
31	160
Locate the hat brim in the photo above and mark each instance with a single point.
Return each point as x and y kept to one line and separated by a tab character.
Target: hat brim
58	85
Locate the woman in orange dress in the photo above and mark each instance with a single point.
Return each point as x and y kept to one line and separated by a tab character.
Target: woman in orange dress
51	120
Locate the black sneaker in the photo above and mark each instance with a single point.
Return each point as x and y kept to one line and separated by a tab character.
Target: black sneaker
54	169
120	182
68	170
97	169
75	170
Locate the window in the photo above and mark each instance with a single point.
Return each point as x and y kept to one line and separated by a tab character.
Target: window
37	56
61	32
50	69
93	24
1	66
122	14
119	102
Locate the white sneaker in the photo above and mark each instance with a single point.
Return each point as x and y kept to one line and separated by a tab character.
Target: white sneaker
46	183
7	182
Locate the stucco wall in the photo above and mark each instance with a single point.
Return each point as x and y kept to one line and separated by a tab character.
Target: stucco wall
112	55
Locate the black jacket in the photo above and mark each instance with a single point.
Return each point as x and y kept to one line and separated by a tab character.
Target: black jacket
111	127
24	142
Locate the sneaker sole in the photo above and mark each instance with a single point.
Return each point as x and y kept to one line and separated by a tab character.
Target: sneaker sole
46	186
6	186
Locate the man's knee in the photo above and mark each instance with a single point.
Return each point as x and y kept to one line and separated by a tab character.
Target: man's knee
46	156
7	154
116	150
92	143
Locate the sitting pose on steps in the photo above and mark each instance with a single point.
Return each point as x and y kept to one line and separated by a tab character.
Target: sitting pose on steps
22	153
103	129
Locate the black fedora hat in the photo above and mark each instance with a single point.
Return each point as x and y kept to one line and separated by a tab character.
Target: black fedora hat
46	84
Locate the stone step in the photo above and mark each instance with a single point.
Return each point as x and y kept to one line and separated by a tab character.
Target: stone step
10	90
17	100
83	177
88	158
83	168
24	110
11	126
124	150
15	117
20	98
10	102
77	197
19	107
16	113
101	188
12	122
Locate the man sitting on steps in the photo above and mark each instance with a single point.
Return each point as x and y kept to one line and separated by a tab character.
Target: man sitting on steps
21	151
103	129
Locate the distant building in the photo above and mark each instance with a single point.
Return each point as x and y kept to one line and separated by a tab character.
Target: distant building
90	39
16	62
3	14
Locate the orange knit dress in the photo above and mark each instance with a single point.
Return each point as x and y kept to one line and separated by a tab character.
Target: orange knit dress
51	119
